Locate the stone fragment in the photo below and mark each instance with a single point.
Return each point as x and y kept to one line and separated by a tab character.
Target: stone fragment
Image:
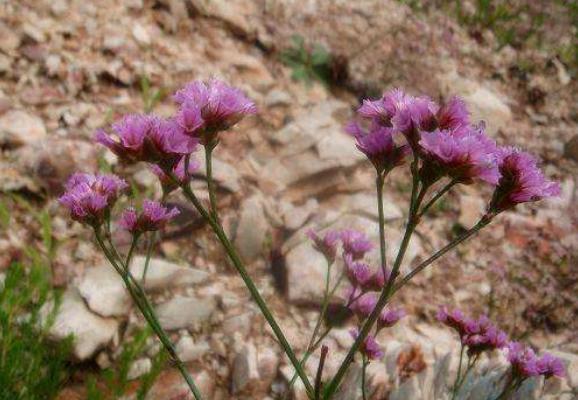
188	350
252	229
185	312
19	128
90	332
245	369
139	367
104	291
471	210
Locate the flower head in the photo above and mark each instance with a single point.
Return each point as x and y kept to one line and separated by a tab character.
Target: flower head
327	245
455	319
522	181
370	348
153	217
481	335
378	145
381	111
358	273
389	317
523	360
89	196
365	304
355	243
550	366
167	183
453	115
464	154
147	138
218	105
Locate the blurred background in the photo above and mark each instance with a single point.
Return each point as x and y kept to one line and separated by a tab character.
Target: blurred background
68	67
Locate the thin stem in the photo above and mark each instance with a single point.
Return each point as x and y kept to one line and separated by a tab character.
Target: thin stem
437	196
313	343
416	198
483	222
146	309
210	184
379	186
455	386
238	264
151	243
363	378
324	351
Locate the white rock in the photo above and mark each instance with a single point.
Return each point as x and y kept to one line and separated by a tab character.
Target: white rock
252	229
141	35
104	291
306	270
18	128
365	204
90	331
162	273
139	367
471	210
245	368
184	312
484	103
188	350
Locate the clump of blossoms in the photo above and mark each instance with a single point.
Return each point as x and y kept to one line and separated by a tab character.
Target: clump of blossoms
442	147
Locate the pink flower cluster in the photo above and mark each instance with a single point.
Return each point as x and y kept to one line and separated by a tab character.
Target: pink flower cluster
167	144
448	144
153	217
365	281
526	364
480	335
88	197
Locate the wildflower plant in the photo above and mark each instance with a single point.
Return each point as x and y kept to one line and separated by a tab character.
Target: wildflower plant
441	147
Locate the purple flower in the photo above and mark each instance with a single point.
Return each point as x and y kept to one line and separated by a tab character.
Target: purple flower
89	196
378	145
370	348
464	154
418	115
378	279
550	366
355	243
481	335
381	111
364	305
455	319
390	317
153	217
169	184
453	115
358	273
327	245
147	138
189	118
220	106
523	360
522	181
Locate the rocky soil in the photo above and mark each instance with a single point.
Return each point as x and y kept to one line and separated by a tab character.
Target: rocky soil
68	67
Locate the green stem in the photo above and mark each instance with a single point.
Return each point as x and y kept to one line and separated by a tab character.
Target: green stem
237	263
151	243
437	196
483	222
455	386
210	183
416	198
379	186
319	375
363	378
146	309
313	342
